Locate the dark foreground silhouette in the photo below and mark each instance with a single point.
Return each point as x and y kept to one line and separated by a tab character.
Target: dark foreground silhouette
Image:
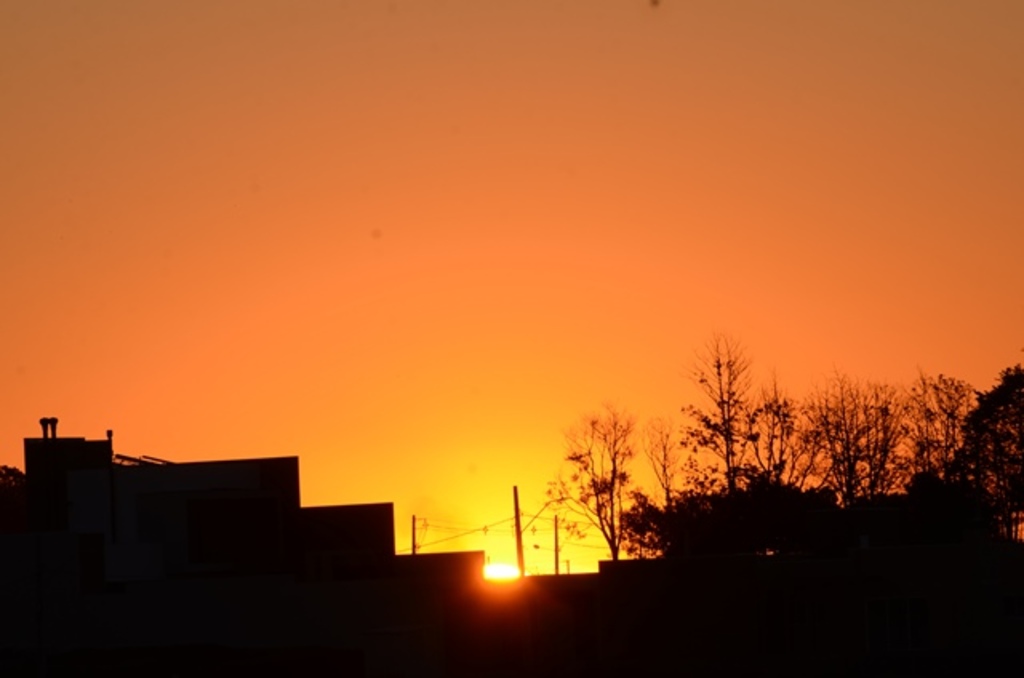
135	566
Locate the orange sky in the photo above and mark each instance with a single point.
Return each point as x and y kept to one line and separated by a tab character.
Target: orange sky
412	241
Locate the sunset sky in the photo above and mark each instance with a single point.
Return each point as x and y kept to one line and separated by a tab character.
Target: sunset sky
412	241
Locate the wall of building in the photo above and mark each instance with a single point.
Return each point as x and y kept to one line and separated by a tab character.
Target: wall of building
185	519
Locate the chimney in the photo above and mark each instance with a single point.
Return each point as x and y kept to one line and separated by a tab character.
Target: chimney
45	424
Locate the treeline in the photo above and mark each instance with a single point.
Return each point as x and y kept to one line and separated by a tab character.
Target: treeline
750	468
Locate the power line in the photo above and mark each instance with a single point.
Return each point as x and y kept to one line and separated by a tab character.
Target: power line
485	529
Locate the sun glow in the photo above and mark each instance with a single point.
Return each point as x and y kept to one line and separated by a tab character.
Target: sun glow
500	572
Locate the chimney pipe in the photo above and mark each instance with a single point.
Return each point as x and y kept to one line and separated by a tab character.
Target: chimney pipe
45	424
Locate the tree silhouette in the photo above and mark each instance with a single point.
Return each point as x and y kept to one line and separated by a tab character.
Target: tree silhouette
663	453
651	530
759	516
938	408
599	449
932	463
644	528
723	425
992	461
779	451
858	428
943	510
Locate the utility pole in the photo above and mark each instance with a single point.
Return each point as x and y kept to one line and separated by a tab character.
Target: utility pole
556	543
519	533
414	534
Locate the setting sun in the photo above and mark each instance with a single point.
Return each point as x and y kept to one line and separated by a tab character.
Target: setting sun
500	572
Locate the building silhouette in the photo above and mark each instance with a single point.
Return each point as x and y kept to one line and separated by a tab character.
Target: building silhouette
138	566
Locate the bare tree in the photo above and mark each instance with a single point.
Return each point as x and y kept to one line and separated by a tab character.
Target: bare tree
724	425
938	408
664	454
859	429
776	443
886	417
599	449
